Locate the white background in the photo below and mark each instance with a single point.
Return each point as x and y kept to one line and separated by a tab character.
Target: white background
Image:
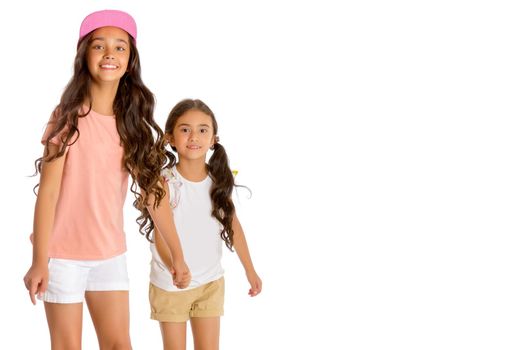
382	140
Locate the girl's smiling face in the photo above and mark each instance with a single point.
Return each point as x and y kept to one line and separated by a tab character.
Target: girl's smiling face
108	54
193	135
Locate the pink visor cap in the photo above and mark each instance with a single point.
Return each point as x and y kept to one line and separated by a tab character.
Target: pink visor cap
108	18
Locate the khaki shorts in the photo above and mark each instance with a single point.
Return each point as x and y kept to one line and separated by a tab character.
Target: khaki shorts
180	306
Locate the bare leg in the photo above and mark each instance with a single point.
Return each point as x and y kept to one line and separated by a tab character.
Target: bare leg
173	335
65	325
110	314
206	332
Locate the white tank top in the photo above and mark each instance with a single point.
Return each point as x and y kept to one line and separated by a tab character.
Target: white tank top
198	230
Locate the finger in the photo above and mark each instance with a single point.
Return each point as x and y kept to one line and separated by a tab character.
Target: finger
42	287
185	283
256	289
32	291
177	280
178	277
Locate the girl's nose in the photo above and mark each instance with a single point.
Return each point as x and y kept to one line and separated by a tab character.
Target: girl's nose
108	55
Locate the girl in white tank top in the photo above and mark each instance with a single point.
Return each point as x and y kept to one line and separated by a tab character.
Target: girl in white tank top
204	215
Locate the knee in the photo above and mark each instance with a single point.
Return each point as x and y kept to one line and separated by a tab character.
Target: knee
66	344
117	345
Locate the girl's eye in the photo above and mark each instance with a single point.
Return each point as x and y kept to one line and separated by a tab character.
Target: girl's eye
120	48
185	130
204	131
98	47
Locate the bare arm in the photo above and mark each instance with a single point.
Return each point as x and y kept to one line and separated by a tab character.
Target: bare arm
36	278
241	247
167	240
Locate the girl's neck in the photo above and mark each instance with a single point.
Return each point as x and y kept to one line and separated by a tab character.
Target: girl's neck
103	96
192	170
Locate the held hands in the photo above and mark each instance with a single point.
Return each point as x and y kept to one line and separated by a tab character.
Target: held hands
36	280
255	283
181	274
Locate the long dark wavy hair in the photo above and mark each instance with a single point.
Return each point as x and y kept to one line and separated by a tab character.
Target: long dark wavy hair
218	168
140	136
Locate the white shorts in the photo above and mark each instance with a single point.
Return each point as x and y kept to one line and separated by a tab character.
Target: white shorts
70	279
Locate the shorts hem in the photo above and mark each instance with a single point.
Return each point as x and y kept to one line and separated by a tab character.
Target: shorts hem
55	299
168	318
207	313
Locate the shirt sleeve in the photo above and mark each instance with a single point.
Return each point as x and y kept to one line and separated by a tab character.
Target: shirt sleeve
174	185
56	140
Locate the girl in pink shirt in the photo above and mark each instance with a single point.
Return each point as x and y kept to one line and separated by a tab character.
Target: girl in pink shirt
98	135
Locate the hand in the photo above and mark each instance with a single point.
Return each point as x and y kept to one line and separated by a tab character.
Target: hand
36	280
255	283
181	274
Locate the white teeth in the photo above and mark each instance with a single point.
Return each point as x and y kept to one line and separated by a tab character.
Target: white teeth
108	66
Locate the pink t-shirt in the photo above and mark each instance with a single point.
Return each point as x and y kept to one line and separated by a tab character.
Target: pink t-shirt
89	221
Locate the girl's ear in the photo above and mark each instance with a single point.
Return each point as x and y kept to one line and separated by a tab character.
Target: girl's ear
167	139
214	141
